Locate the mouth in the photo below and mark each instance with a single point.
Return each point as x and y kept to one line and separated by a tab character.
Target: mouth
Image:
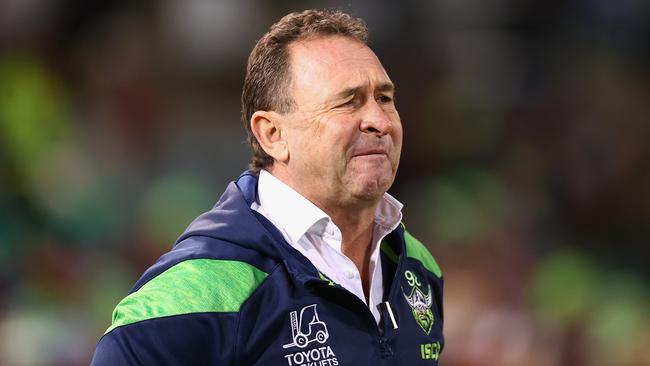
371	152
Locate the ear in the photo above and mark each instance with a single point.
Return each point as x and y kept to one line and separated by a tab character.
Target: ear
267	128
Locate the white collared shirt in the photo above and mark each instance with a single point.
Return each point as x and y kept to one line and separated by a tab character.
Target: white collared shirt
311	231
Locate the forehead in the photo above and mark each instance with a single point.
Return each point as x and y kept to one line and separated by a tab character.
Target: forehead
327	64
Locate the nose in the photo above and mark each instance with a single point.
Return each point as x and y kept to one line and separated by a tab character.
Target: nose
374	119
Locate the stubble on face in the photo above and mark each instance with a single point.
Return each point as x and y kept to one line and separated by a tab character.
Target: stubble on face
370	176
331	157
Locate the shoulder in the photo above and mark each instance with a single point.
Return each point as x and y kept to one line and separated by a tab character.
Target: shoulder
190	285
416	250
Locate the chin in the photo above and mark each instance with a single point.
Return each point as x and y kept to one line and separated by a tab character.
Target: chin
368	181
371	188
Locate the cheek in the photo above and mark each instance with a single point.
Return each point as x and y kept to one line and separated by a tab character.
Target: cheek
319	149
397	135
336	136
397	126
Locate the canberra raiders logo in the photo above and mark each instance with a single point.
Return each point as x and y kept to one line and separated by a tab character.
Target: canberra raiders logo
419	302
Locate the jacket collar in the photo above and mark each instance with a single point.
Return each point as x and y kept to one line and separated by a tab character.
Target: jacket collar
232	220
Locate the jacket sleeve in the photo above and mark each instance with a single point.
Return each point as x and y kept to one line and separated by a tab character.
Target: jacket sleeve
183	314
192	339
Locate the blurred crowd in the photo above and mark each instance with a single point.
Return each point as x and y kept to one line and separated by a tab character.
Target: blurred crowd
526	166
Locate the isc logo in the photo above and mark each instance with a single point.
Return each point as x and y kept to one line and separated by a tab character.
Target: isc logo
430	351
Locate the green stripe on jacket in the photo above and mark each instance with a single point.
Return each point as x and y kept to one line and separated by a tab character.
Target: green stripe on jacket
191	286
415	249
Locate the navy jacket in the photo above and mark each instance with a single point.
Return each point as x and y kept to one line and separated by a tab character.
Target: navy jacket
232	291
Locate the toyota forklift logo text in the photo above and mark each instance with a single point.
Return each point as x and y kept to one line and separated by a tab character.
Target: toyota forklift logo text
308	329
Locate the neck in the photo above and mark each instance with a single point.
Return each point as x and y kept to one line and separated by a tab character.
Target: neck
355	222
356	229
355	219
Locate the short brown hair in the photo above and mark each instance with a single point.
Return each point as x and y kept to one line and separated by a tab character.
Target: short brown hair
267	73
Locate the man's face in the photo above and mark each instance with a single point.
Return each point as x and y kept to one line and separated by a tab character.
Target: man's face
344	135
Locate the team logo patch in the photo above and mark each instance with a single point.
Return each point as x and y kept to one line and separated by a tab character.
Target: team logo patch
419	302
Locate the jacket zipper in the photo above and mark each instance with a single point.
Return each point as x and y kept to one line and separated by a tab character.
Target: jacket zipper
388	320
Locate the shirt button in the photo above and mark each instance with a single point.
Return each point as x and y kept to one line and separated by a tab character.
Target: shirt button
349	275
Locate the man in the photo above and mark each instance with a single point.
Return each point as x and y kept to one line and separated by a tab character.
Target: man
304	260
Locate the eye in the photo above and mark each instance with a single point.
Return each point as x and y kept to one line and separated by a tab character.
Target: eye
385	99
350	102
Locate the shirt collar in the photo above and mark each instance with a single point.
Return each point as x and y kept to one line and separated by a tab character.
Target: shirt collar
290	209
282	202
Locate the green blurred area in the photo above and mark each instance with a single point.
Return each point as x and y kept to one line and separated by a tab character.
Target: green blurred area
524	170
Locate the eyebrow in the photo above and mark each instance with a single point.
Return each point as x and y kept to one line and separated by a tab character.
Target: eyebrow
383	87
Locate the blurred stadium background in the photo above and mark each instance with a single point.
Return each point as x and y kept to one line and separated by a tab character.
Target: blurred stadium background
526	165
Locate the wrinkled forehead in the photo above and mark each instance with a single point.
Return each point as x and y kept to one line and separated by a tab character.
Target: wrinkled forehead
334	62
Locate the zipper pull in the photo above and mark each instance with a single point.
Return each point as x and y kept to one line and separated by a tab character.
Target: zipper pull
385	309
